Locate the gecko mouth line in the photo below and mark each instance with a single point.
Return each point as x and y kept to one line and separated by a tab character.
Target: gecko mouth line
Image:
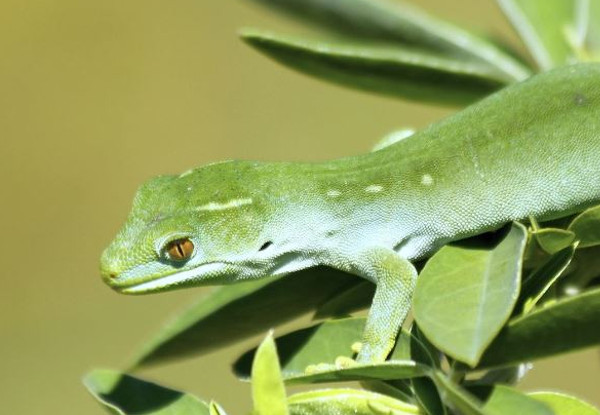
174	279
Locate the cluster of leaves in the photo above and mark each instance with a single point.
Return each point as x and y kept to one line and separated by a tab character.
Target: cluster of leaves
482	307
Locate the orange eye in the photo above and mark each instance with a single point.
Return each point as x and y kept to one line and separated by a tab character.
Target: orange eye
180	249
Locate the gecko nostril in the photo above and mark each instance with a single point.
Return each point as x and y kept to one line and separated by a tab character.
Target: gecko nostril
112	276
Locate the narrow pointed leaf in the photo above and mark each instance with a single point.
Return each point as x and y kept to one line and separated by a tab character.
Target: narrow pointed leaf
216	409
237	311
268	392
465	295
126	395
401	23
586	227
538	283
388	370
563	404
347	401
569	324
544	26
505	400
386	70
426	392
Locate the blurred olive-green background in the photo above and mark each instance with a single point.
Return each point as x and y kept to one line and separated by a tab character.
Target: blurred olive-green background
97	96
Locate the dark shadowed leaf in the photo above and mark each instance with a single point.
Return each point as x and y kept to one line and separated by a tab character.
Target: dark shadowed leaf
401	23
426	392
540	280
347	401
464	295
567	325
386	70
237	311
126	395
544	26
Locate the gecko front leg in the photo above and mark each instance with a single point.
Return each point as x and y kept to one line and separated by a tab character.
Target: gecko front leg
395	278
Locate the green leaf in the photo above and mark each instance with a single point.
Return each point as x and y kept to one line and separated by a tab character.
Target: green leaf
268	392
552	240
543	26
388	370
569	324
325	342
457	397
564	404
387	70
347	401
587	227
505	400
401	23
124	395
538	283
237	311
465	295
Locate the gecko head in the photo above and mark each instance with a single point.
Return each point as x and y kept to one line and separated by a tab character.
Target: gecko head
199	228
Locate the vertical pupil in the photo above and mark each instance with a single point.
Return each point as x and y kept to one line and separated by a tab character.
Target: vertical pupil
180	251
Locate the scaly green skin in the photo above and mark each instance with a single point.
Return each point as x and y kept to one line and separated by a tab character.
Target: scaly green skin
510	156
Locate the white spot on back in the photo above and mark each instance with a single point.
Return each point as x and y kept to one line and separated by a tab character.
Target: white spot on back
374	188
232	204
333	193
427	180
186	173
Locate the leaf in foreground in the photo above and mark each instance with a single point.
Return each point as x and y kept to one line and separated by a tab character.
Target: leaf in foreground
126	395
563	404
401	23
464	295
268	392
347	401
390	70
237	311
567	325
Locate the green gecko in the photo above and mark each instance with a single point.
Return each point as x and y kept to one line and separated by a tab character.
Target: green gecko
530	150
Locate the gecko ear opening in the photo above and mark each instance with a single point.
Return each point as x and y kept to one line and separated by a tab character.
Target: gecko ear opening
265	246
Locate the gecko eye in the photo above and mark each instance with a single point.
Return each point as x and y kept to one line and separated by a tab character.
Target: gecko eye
179	249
